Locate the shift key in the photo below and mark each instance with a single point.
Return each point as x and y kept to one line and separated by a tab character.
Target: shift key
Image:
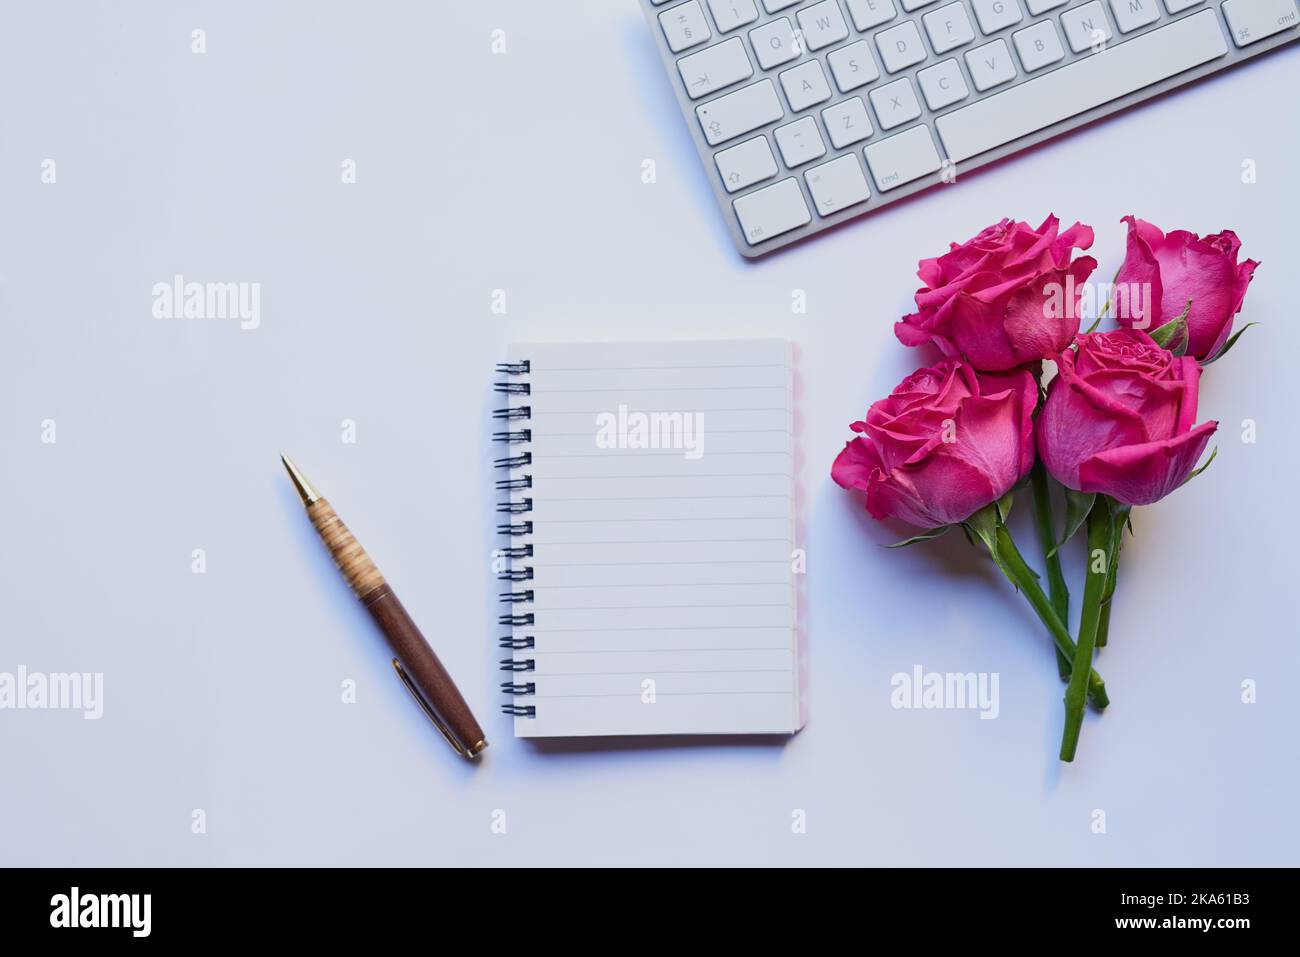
739	113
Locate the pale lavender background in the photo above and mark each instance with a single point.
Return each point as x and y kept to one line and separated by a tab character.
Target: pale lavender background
523	172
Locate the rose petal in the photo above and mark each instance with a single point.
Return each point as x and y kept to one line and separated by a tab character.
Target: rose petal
1146	473
1141	270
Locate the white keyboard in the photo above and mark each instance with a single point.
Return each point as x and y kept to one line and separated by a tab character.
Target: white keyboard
808	113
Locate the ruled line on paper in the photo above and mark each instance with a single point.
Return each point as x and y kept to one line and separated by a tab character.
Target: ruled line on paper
728	561
637	651
665	585
660	694
751	604
675	478
555	435
655	453
657	521
655	541
618	631
743	365
654	672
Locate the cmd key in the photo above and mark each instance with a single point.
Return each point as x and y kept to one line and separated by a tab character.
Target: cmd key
1253	20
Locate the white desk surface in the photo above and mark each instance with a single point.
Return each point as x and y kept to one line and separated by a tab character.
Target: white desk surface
522	172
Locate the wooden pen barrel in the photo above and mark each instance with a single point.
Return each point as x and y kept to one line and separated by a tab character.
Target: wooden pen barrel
418	666
362	574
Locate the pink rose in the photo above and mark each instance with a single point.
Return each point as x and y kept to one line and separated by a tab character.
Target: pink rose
944	444
1183	266
1119	418
986	302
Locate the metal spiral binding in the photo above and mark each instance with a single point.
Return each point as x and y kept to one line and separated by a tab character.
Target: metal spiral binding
515	435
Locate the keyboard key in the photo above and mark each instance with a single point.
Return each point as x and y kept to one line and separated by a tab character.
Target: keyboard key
910	5
871	13
1255	20
1178	6
895	103
993	15
837	185
744	165
800	142
990	65
1132	14
903	158
772	6
684	26
729	14
943	85
847	122
1086	27
1038	46
715	67
853	66
900	47
1082	85
949	27
774	43
822	24
1042	6
738	113
771	211
805	85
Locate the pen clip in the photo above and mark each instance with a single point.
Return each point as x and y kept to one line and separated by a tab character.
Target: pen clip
424	706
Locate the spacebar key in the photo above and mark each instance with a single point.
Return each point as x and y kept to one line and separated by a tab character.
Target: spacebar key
1081	86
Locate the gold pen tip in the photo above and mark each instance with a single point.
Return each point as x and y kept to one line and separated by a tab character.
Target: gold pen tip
305	489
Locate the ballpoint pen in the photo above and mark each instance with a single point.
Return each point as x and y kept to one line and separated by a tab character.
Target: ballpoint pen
416	664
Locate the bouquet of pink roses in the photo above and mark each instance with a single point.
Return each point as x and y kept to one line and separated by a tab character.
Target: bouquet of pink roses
1115	424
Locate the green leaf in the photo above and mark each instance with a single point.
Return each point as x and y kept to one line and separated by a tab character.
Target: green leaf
984	525
1229	344
1077	507
1004	506
923	537
1173	334
1202	468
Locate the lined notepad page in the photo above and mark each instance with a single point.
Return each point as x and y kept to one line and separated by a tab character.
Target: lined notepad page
663	596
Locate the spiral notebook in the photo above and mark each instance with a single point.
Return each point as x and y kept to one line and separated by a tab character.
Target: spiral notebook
647	499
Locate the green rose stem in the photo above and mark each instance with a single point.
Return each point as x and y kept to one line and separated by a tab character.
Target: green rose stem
988	526
1101	528
1060	594
1120	514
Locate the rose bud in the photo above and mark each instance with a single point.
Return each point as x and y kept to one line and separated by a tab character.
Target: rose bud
1119	418
1180	267
945	443
990	301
